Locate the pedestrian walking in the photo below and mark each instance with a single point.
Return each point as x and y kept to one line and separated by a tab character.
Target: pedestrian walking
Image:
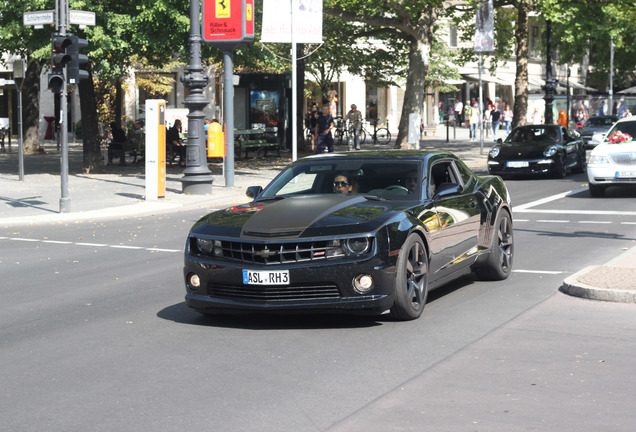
474	121
495	118
323	136
354	120
508	115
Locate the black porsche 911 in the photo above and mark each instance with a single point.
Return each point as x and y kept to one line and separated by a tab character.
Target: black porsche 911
537	149
359	232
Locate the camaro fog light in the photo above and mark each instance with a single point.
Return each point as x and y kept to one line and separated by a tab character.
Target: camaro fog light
195	282
363	283
357	246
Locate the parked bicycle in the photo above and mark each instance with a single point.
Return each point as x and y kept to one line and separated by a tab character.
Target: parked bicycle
379	136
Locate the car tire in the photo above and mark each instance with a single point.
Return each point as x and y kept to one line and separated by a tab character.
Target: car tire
411	280
597	191
499	262
561	169
580	161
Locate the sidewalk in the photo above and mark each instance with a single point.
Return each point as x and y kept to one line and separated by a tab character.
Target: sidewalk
119	191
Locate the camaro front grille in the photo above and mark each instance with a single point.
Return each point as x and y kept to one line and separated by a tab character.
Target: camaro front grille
263	293
274	253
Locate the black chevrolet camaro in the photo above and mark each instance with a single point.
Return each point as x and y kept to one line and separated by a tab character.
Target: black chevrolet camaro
538	149
359	232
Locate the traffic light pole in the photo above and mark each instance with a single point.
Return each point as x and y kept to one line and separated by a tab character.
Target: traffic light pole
65	201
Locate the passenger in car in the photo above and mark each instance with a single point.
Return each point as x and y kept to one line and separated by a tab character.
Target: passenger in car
341	184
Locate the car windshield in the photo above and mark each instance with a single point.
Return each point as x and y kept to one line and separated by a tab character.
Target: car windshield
394	179
532	134
626	127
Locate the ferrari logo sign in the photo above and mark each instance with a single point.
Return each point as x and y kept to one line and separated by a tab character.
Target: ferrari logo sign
222	9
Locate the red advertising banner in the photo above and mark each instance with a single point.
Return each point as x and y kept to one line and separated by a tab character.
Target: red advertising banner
228	23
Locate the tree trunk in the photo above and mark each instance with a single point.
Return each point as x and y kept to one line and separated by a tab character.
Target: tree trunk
31	100
91	138
415	88
521	81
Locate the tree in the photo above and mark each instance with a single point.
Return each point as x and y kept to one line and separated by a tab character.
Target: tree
33	45
410	21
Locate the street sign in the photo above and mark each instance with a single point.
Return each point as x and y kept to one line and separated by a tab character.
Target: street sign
39	18
81	18
4	82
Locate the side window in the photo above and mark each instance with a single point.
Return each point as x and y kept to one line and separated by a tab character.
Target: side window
304	182
465	174
442	172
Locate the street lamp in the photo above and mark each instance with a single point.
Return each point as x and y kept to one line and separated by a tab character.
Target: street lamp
550	83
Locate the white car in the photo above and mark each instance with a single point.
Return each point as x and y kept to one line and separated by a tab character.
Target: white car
613	162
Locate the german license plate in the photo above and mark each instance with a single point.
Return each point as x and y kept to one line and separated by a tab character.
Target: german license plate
518	164
264	277
625	174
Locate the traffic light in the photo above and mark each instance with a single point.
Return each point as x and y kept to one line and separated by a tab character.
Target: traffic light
73	72
59	59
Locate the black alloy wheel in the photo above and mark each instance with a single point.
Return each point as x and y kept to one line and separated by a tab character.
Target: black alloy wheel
499	262
411	282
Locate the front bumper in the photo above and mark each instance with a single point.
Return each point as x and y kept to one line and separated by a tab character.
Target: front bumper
534	166
611	174
327	286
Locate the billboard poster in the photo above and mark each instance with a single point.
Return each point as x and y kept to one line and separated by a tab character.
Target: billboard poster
277	21
485	28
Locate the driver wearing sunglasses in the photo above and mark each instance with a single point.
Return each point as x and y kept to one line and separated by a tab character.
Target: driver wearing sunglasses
341	184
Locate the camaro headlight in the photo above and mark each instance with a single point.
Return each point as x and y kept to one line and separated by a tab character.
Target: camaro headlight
349	247
597	160
210	247
550	151
494	152
357	246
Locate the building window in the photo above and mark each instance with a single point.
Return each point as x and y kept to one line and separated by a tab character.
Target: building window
534	41
452	37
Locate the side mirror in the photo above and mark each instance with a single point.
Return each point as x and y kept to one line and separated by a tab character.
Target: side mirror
499	141
253	191
446	189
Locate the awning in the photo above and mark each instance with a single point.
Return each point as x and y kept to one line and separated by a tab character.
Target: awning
488	78
631	90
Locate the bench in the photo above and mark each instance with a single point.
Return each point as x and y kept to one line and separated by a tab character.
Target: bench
246	140
426	130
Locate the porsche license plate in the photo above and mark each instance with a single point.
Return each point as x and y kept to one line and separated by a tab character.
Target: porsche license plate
518	164
260	277
625	174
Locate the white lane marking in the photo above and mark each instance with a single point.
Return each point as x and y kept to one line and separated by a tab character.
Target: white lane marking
522	220
553	221
595	222
578	212
91	244
538	271
628	223
523	207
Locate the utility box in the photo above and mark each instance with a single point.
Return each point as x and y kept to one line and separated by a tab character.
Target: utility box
155	149
415	123
216	140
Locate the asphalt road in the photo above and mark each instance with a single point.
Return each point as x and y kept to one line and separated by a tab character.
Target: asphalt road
94	333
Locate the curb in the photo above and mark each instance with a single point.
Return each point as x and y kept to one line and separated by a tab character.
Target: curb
574	287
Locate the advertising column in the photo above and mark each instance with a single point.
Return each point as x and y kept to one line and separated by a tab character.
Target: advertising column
155	149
